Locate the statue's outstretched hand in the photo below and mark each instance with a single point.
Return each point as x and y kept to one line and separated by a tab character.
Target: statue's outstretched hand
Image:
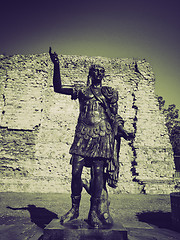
53	56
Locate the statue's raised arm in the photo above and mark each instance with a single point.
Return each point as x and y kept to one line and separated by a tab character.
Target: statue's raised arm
57	76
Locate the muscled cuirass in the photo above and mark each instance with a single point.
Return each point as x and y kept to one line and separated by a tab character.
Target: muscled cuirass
91	110
94	135
93	120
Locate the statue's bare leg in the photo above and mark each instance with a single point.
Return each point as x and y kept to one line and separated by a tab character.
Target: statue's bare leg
97	184
76	189
99	215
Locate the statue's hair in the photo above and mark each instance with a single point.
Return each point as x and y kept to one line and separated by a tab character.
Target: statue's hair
91	69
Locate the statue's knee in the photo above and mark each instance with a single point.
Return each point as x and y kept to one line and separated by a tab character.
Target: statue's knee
98	171
76	173
98	167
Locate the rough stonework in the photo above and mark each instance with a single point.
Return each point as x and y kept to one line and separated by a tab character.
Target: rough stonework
37	125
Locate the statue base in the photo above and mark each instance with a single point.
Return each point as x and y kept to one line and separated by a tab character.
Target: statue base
79	229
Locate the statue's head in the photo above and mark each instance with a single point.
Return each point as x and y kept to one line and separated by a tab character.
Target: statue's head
96	74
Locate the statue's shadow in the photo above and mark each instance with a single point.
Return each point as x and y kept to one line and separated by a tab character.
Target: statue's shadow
159	219
40	216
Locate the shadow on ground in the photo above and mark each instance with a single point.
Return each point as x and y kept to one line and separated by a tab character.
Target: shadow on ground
159	219
40	216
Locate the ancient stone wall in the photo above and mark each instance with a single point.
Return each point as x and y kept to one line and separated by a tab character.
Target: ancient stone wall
37	125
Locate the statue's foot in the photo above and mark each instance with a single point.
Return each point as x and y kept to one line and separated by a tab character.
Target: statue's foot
106	220
70	215
93	220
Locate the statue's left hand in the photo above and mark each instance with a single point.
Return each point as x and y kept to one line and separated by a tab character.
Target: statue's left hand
54	57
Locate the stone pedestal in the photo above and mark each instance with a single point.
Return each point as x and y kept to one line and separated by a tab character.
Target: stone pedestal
79	229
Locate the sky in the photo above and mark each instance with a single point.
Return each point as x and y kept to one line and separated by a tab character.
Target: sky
145	29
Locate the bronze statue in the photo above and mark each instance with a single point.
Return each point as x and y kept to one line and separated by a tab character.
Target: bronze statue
96	143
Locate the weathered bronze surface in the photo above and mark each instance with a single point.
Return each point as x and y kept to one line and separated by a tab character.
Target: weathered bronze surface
96	143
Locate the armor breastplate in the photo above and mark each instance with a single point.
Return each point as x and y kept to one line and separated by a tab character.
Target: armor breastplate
93	121
91	110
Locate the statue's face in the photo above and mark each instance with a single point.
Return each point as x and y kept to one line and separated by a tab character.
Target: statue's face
97	75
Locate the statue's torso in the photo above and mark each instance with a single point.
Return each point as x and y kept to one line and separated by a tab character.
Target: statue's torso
91	110
94	136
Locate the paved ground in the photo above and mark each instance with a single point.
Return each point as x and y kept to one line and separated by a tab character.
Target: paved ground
146	217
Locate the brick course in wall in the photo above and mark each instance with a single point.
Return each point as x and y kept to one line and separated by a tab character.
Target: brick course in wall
37	125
